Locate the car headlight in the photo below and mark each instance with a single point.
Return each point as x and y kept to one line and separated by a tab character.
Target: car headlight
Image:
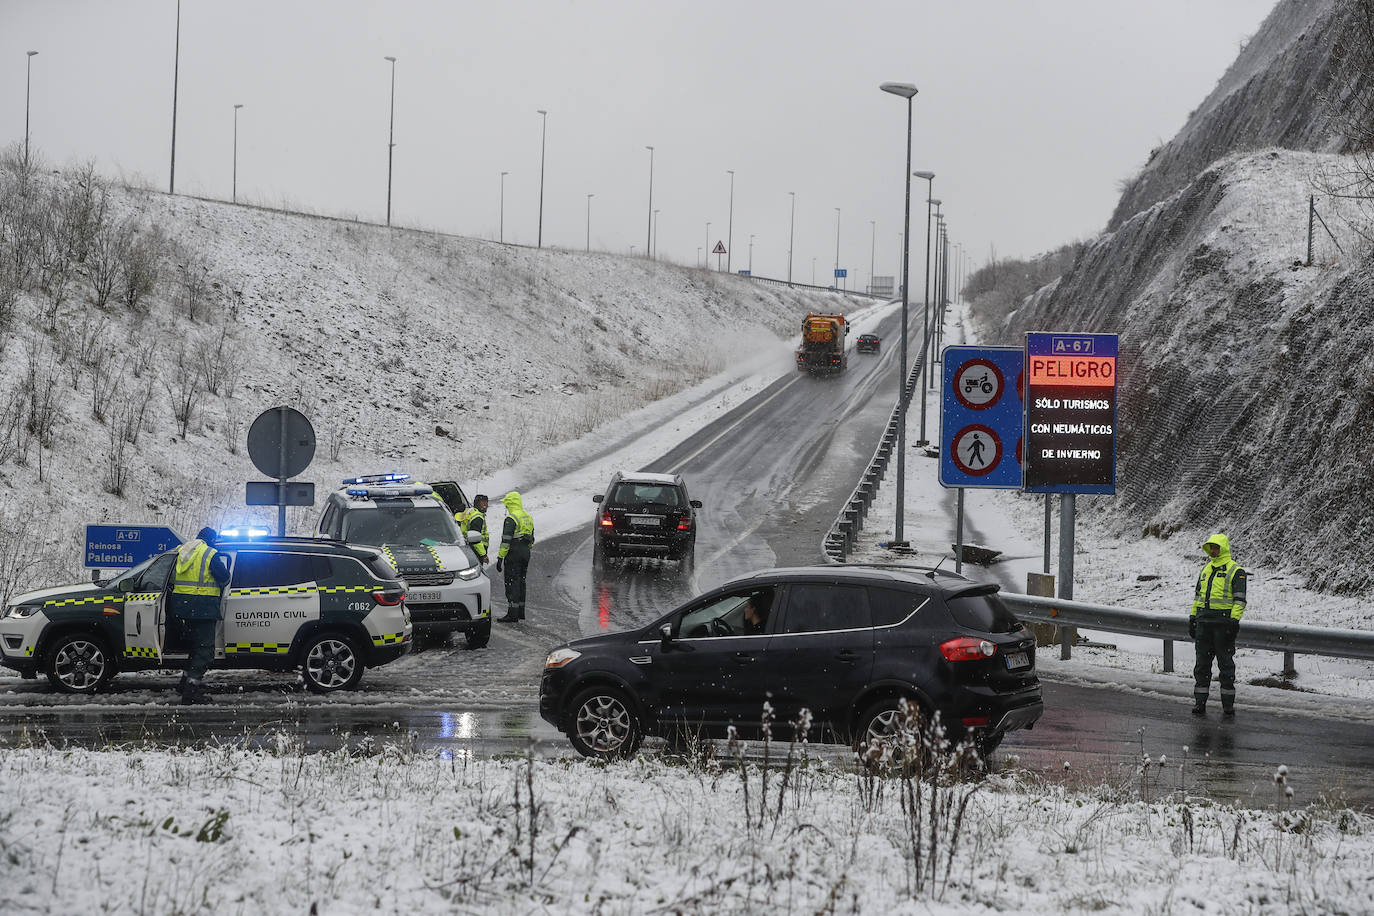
20	611
472	572
560	657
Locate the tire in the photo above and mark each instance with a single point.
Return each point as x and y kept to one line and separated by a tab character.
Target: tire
330	662
79	663
598	555
880	721
687	562
602	723
987	744
478	639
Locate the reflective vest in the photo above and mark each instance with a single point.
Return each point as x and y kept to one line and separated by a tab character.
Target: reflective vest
524	523
192	575
1220	591
465	519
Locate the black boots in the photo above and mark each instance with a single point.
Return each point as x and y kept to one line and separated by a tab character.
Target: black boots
1199	709
193	692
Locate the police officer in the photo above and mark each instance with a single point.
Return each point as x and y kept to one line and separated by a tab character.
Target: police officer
201	575
474	518
513	556
1218	603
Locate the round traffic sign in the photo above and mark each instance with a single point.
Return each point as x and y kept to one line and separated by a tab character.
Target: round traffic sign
281	442
977	450
978	383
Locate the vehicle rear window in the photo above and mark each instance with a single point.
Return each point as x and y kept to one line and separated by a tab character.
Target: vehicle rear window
644	495
254	569
891	605
983	612
814	608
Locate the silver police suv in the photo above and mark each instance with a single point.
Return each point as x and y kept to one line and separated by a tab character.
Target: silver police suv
414	527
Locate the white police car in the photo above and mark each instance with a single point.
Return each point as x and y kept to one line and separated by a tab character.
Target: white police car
446	589
327	608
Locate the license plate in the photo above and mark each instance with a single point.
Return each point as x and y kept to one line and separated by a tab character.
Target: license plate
644	522
423	595
1017	660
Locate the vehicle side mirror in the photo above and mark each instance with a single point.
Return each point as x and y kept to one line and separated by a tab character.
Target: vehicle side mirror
474	537
597	498
126	586
696	503
666	636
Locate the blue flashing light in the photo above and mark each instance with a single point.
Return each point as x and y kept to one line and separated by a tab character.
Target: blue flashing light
376	478
235	534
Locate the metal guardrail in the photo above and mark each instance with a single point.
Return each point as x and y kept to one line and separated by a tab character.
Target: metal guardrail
819	289
1290	639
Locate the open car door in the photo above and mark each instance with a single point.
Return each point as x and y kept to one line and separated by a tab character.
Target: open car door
452	495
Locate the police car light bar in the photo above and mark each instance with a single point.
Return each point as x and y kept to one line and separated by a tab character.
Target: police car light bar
249	533
376	478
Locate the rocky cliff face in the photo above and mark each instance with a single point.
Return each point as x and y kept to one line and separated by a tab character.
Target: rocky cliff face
1245	402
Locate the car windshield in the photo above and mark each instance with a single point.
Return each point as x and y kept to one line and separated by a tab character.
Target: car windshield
400	525
638	495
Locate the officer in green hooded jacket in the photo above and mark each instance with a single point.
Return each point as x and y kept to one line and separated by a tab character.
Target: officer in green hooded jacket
1218	603
513	556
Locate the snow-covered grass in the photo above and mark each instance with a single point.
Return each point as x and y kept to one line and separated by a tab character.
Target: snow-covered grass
379	828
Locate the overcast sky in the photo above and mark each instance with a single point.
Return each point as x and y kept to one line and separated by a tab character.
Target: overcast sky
1030	113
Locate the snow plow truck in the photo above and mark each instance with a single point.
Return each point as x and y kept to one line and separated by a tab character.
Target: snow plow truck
822	344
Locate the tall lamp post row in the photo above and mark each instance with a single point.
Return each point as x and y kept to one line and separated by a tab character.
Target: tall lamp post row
390	138
28	81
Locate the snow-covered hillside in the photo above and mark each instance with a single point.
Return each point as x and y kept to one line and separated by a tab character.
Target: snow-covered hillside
440	356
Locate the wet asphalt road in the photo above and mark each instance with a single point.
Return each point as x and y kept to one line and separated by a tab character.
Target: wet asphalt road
772	475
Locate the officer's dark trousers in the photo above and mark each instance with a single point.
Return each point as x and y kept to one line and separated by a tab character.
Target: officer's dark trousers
197	637
1214	641
516	564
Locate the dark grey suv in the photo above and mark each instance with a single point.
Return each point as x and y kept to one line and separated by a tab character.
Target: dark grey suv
846	643
645	515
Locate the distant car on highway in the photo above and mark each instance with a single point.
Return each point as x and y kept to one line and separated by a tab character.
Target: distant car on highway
868	343
645	515
846	643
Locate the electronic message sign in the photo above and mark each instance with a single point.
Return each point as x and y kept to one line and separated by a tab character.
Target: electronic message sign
1070	413
981	417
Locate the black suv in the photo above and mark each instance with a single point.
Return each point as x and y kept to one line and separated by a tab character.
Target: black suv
645	515
868	343
846	643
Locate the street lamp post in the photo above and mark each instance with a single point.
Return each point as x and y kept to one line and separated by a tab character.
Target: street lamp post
176	71
390	139
589	221
234	196
751	254
649	232
791	235
501	224
908	92
872	248
28	78
813	271
698	255
653	251
708	244
836	278
934	242
730	232
543	135
925	308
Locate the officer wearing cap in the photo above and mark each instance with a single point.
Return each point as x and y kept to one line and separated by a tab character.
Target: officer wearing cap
200	577
474	518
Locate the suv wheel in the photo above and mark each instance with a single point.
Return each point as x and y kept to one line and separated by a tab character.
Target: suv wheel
604	724
330	662
598	555
884	721
478	637
687	561
79	663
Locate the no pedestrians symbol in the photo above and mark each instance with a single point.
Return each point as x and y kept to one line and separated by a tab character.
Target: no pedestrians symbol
977	449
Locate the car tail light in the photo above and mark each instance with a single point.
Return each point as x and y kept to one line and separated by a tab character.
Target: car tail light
607	521
388	598
976	721
684	523
967	649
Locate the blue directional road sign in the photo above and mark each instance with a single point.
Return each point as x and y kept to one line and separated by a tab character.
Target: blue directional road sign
841	273
115	546
981	417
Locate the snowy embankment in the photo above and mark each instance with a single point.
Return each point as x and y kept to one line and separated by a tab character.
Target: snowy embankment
386	831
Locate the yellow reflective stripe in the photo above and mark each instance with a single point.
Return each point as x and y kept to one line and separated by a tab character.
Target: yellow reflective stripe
268	648
72	602
275	590
435	554
388	639
144	596
138	652
28	650
339	589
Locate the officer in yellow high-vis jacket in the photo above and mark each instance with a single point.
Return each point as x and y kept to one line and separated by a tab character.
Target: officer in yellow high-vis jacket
474	518
513	556
1218	603
199	579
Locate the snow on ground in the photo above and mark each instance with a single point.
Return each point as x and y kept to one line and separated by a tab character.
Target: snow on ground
219	830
